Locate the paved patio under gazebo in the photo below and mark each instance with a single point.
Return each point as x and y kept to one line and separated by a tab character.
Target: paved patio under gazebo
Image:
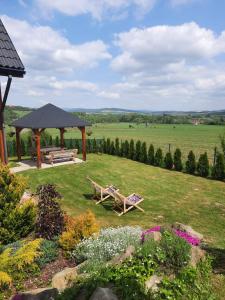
49	116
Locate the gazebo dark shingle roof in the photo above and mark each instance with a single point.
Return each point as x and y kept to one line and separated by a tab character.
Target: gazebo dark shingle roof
10	62
49	116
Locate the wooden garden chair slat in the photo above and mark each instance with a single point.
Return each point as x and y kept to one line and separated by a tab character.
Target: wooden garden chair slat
104	192
125	203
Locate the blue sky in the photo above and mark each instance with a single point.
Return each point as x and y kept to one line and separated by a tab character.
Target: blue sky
138	54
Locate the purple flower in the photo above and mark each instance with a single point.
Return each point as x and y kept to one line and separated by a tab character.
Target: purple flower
190	239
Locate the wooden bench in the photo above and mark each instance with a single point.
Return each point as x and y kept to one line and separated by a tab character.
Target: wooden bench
62	155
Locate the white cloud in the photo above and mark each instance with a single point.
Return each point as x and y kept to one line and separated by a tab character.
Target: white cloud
96	8
181	2
74	84
109	95
42	49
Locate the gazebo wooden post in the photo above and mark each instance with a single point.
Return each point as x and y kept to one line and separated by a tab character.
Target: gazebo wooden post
37	133
62	143
82	129
18	143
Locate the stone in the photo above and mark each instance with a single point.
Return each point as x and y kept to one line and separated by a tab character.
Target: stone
152	282
188	229
64	278
197	254
119	259
155	235
27	196
103	294
37	294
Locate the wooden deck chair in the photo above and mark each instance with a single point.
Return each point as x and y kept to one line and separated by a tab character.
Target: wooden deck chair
103	192
124	204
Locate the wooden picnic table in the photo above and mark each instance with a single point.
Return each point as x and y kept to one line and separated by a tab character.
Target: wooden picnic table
46	150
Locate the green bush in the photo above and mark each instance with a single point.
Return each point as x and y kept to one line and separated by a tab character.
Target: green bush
177	159
126	149
16	220
138	151
218	170
49	252
112	148
158	161
151	155
191	163
143	155
203	165
168	161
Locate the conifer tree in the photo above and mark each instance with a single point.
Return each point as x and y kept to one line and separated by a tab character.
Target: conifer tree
203	165
94	146
168	161
151	155
177	159
159	158
117	147
126	149
57	141
191	163
108	146
218	170
50	141
143	156
131	149
138	151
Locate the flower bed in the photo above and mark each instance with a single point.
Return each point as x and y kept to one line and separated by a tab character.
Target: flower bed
192	240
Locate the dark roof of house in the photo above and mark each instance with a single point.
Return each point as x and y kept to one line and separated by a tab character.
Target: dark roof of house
49	116
10	62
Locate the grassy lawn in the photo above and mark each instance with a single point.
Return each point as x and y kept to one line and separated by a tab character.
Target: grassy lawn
169	196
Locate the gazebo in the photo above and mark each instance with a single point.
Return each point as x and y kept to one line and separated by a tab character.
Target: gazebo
48	116
10	66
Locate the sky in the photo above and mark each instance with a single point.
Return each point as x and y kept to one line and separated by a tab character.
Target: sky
136	54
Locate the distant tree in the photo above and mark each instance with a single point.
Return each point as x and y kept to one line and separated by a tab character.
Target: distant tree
50	141
191	163
222	143
23	147
151	155
104	147
138	151
71	144
131	149
126	149
218	170
117	147
143	155
77	146
168	161
203	165
158	157
177	159
122	149
89	146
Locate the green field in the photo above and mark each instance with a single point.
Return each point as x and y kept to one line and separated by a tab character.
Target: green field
169	196
188	137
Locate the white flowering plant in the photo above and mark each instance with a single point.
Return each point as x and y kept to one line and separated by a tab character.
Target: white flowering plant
107	244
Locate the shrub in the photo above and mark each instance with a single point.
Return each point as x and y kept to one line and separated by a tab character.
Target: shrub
19	263
131	150
49	252
151	155
77	229
218	170
176	249
57	141
108	146
95	146
109	243
143	155
158	158
203	165
191	163
5	281
168	161
16	220
178	166
138	151
50	221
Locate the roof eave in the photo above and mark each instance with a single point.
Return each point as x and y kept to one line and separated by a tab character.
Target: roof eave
13	72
